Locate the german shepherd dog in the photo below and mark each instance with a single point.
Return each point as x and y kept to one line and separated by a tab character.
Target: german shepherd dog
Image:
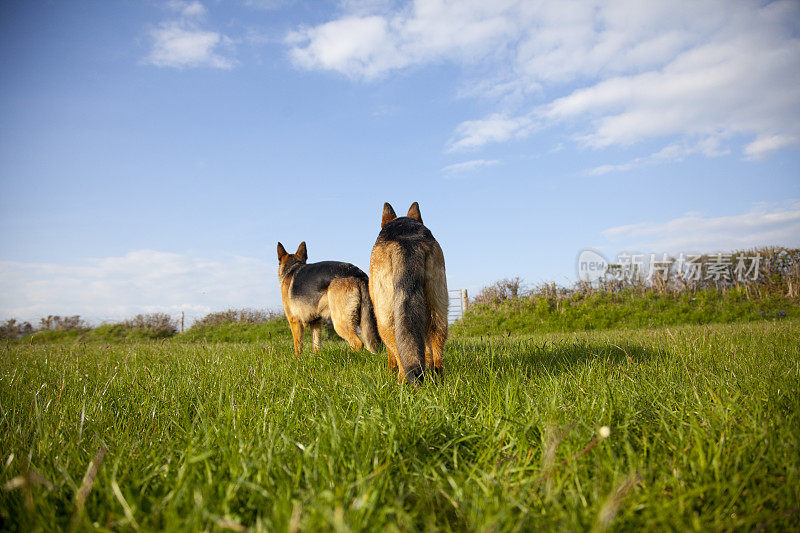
408	288
313	292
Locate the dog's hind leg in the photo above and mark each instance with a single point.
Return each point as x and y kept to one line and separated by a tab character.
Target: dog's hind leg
381	292
436	339
316	332
387	334
297	336
368	323
428	354
344	303
347	331
437	301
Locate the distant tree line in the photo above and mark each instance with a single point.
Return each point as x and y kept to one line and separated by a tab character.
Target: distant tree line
153	325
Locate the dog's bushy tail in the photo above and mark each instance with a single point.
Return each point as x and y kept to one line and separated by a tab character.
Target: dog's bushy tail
367	323
410	319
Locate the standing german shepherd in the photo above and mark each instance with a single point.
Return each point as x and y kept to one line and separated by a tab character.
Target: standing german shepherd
329	289
408	288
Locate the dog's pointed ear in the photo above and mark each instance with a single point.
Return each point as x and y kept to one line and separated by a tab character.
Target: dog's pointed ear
302	252
388	214
413	212
281	252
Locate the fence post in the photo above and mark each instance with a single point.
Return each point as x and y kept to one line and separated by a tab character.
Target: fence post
181	321
464	301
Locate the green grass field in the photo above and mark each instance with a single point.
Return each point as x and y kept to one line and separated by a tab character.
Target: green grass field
705	434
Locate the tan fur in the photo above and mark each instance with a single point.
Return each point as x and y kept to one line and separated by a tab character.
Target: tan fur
343	301
381	291
437	301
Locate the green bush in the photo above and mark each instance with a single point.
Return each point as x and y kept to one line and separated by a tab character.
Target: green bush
13	329
121	333
54	336
62	323
242	316
152	326
624	309
73	329
273	329
237	332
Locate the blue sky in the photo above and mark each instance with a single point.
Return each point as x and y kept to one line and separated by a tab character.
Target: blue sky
152	153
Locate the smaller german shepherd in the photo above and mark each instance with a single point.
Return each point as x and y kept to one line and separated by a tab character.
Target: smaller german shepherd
408	287
313	292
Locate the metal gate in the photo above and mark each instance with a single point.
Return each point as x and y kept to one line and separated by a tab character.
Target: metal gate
459	302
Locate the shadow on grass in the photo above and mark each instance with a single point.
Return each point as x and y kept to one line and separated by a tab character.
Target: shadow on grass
513	356
503	357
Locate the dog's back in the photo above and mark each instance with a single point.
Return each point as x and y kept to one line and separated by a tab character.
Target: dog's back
314	279
409	293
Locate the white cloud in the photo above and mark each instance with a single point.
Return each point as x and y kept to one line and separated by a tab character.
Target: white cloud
764	225
180	47
348	45
188	9
181	43
616	72
742	86
468	166
363	45
494	128
765	145
141	281
672	153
